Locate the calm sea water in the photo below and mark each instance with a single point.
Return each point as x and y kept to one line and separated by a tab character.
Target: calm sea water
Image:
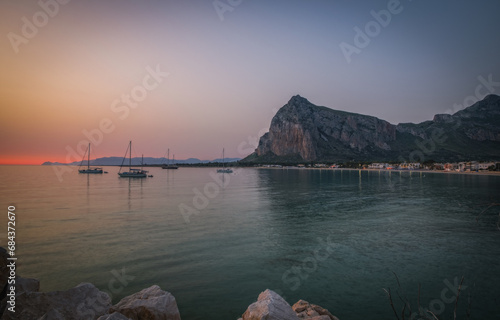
331	237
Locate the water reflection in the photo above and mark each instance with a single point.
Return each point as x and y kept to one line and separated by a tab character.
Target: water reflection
421	226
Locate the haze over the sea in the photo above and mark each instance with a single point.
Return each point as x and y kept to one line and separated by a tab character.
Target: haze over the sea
196	77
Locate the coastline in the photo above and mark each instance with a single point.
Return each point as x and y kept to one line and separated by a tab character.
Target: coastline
482	173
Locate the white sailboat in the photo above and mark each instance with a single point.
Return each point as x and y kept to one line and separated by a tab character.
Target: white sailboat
89	170
224	169
132	172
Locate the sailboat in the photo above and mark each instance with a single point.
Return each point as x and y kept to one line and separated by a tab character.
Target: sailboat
168	165
224	169
89	170
131	173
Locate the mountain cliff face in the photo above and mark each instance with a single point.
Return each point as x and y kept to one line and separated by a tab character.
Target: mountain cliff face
302	131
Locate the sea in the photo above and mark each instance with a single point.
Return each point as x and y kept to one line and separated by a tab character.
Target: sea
341	239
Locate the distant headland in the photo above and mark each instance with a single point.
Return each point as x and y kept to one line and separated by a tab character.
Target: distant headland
146	161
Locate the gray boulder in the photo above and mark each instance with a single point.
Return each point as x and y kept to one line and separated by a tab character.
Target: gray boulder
84	301
270	306
308	311
4	271
113	316
27	285
52	315
149	304
22	285
4	275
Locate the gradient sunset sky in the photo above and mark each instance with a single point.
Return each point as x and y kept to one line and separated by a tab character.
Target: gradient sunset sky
228	71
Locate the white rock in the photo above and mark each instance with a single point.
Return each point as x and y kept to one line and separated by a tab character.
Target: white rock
270	306
319	318
308	311
151	303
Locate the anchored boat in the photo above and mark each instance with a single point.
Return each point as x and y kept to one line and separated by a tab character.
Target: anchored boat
224	169
132	172
89	170
169	165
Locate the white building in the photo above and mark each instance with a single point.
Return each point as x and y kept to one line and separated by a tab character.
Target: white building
485	165
378	166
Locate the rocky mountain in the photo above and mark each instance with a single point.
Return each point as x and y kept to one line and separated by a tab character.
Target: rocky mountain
302	131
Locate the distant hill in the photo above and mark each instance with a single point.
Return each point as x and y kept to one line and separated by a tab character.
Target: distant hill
302	131
116	161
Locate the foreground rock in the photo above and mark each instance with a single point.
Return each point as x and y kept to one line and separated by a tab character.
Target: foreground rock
4	275
305	310
149	304
271	306
114	316
23	285
27	285
84	301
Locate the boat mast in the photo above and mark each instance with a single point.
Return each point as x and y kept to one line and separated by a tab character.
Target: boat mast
88	159
130	155
222	158
168	157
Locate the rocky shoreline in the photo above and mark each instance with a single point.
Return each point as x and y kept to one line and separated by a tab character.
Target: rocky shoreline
85	301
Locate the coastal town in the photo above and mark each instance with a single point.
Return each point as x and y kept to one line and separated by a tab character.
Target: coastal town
448	166
470	166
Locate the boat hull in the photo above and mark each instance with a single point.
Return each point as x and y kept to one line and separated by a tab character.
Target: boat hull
132	175
91	171
170	167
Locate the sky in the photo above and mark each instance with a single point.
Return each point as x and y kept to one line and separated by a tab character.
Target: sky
198	76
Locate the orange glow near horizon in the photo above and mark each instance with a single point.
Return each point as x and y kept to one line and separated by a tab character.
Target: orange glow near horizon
27	160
